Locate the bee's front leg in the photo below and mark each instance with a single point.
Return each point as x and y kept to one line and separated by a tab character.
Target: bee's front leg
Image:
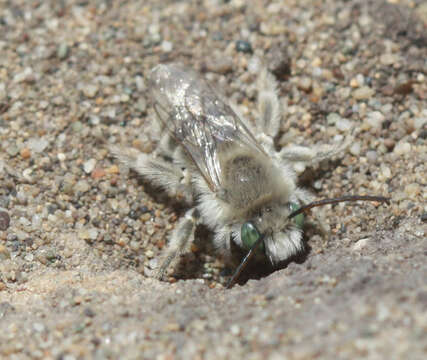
180	241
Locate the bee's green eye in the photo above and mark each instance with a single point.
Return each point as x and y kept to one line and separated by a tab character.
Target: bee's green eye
299	219
250	235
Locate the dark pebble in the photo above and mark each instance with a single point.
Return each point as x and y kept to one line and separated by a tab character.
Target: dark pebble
133	214
405	88
279	63
29	242
217	36
4	107
423	134
143	209
244	47
6	308
4	220
89	312
423	217
15	246
4	201
52	208
108	240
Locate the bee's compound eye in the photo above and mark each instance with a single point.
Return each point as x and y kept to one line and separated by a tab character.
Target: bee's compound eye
250	235
299	219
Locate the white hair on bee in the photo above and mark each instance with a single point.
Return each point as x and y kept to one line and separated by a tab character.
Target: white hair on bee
227	170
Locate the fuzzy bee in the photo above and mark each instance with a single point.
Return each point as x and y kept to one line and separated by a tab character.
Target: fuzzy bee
226	169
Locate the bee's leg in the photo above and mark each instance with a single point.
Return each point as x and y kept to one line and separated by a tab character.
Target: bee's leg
159	171
315	154
167	146
268	105
302	156
180	241
297	154
222	240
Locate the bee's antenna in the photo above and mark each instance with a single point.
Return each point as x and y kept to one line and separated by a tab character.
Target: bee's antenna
244	262
302	209
338	200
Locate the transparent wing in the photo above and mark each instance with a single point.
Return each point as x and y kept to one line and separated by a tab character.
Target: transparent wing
198	118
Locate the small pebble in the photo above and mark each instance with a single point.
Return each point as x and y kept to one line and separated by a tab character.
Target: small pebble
12	150
244	47
77	126
343	124
355	148
24	76
37	145
36	221
354	83
222	65
90	90
360	244
385	173
280	63
94	120
43	105
82	186
83	234
25	153
62	51
39	327
419	122
24	221
371	156
153	264
305	84
389	59
389	144
97	173
166	46
332	118
27	174
93	233
4	220
29	257
89	165
4	253
141	105
412	190
374	119
235	329
404	88
363	93
402	148
114	169
134	245
140	83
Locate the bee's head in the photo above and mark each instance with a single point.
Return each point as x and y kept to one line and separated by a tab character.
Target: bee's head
271	223
281	241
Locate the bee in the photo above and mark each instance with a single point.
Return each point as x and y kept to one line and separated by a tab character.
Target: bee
226	169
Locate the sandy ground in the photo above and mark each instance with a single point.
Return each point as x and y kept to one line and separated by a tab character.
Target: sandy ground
80	235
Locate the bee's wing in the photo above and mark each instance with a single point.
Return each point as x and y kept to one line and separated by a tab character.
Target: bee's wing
198	118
